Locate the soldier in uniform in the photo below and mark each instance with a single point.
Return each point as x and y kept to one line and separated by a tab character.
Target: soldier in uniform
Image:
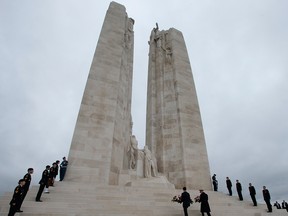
52	174
252	192
266	196
27	178
215	182
239	190
43	182
17	197
63	167
56	169
229	185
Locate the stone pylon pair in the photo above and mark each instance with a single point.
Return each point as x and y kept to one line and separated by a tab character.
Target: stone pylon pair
174	131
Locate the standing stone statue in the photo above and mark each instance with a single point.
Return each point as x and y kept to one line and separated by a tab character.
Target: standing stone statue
132	151
150	165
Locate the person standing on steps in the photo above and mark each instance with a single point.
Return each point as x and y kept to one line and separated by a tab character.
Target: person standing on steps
252	192
205	207
267	197
239	190
186	200
215	182
43	182
27	178
56	169
229	185
63	168
17	198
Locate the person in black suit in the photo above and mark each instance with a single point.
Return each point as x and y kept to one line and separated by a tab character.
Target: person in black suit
229	185
186	200
267	197
252	192
239	190
43	182
17	197
205	207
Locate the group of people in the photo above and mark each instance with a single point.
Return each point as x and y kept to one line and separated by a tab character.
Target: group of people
284	205
252	192
186	200
48	177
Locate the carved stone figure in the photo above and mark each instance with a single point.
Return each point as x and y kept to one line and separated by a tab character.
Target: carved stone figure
132	150
150	165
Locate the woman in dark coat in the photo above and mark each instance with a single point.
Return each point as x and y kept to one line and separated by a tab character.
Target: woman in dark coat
204	203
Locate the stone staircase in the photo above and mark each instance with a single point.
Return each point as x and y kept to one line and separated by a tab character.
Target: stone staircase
73	199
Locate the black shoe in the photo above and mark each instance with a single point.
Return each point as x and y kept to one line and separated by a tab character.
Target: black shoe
19	210
39	201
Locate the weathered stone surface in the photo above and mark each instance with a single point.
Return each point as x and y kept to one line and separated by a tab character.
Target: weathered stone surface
174	129
102	129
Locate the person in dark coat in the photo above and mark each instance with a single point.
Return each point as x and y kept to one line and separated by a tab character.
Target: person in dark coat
252	192
266	196
52	174
63	167
17	198
27	179
239	190
43	182
285	205
229	185
204	203
57	169
277	205
186	200
215	182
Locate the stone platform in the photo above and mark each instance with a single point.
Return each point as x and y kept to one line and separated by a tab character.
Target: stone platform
73	199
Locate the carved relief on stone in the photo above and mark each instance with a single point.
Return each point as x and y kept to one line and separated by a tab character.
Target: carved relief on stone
132	151
129	33
150	164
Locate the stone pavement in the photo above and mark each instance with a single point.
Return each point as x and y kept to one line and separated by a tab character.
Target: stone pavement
73	199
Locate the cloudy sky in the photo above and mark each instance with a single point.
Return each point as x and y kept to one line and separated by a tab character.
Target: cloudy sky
238	52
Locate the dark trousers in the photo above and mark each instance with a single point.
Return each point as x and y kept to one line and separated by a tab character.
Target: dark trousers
253	199
215	186
269	206
23	197
185	210
12	210
230	191
240	195
40	191
62	173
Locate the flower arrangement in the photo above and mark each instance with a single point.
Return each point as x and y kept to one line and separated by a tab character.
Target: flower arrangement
197	199
176	199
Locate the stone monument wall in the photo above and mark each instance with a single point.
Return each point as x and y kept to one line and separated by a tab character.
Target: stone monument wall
174	129
102	129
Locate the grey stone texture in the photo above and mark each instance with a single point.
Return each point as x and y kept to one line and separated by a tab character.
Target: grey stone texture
102	129
174	130
174	134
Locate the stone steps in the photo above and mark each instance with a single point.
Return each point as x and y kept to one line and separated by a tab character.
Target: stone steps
73	199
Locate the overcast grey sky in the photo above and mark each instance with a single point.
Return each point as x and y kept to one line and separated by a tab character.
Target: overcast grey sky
238	52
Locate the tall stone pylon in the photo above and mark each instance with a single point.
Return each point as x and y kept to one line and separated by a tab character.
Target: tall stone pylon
174	130
102	129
